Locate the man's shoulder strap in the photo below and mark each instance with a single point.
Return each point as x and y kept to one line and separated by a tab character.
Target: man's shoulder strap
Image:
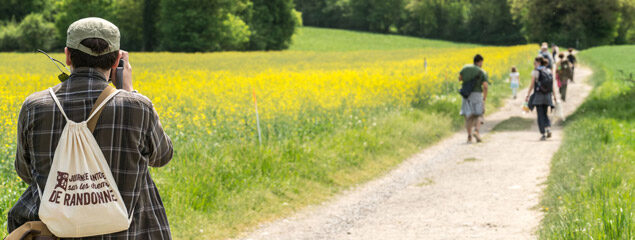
104	94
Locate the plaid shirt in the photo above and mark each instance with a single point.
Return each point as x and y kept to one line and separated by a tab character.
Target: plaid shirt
129	134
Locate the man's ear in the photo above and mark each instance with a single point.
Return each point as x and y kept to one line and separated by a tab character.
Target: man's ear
117	61
68	56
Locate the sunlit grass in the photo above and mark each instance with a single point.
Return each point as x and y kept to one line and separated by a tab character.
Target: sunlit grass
591	188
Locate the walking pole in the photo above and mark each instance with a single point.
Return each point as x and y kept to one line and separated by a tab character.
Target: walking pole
257	118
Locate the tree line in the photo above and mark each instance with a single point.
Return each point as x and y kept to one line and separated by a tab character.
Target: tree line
220	25
575	23
154	25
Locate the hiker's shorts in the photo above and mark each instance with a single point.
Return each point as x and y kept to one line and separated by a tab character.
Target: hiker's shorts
473	105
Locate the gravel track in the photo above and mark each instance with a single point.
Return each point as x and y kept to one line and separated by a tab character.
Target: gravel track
451	190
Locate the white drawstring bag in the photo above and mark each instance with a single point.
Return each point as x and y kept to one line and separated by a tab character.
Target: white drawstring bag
81	197
559	112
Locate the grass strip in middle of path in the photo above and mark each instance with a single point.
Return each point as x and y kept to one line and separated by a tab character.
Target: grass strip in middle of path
514	124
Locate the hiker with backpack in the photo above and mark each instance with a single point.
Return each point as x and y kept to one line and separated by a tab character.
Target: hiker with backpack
564	74
474	92
573	62
84	148
541	99
544	52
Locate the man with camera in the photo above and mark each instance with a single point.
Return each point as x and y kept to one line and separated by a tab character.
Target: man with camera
128	131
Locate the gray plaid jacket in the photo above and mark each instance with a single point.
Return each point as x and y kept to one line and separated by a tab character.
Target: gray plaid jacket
128	132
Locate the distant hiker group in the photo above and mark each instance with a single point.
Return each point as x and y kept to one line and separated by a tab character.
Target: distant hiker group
543	96
540	94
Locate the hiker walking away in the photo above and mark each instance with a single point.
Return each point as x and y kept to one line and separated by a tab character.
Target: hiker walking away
573	62
514	79
542	87
128	133
544	52
563	75
474	92
555	51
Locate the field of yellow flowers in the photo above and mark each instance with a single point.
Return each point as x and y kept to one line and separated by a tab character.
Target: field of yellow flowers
315	110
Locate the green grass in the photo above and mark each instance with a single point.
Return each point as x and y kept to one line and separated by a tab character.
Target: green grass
329	40
513	124
284	177
471	159
591	188
426	182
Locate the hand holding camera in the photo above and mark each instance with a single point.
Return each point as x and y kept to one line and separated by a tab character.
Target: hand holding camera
123	71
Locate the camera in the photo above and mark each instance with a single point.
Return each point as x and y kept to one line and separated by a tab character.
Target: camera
119	75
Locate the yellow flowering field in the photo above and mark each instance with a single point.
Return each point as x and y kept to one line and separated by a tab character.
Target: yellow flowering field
206	104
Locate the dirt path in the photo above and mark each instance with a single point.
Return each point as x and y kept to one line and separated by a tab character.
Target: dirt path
451	190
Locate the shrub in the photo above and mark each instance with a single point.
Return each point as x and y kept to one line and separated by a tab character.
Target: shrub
236	34
273	23
9	37
195	26
36	33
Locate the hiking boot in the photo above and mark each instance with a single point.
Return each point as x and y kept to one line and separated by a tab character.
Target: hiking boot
548	133
469	139
477	136
543	138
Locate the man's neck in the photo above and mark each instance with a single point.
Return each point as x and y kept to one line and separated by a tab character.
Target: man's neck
106	73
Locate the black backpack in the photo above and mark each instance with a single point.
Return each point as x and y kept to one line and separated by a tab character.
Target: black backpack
547	56
545	81
565	68
468	86
571	59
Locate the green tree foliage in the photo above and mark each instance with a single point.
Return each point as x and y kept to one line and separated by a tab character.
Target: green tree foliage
32	33
129	19
174	25
376	15
272	24
70	11
193	26
18	9
325	13
149	18
491	22
444	19
36	33
368	15
10	37
484	21
312	11
564	22
626	26
217	25
126	14
579	23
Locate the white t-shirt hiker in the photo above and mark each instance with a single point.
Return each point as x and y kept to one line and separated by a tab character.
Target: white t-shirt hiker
514	79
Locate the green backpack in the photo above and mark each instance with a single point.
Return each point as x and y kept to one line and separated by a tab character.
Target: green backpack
565	68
